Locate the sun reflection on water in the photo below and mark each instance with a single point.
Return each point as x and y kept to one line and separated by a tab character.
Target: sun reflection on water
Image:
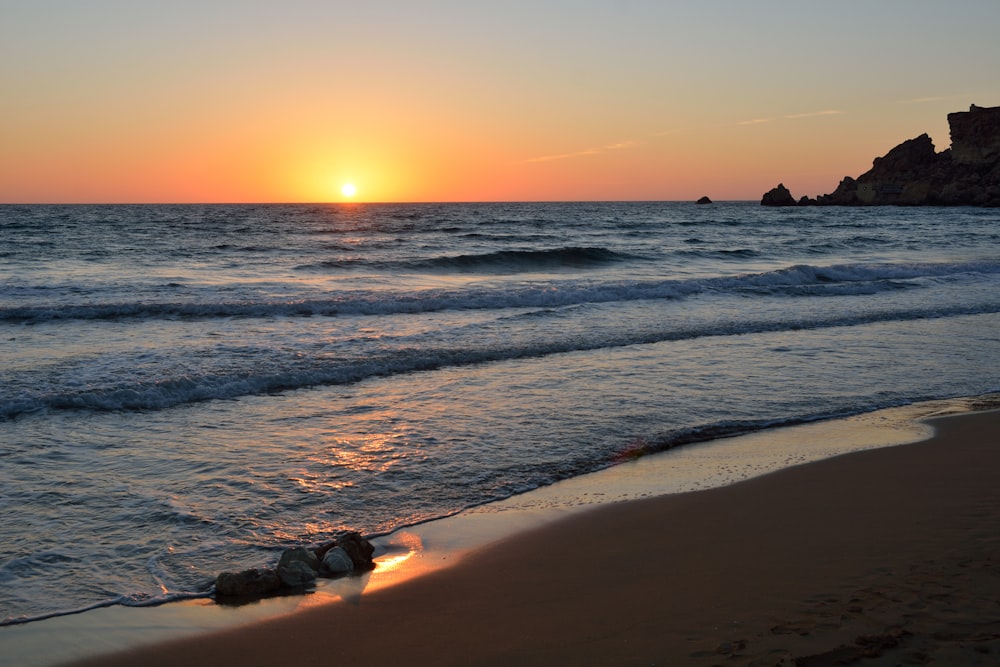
372	445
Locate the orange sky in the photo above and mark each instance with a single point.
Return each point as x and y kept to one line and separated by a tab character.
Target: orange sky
221	101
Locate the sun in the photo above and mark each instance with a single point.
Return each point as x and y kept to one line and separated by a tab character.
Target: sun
348	190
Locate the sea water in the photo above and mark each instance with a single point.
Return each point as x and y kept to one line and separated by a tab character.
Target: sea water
189	389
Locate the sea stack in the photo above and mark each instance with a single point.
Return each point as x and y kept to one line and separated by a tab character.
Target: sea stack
778	196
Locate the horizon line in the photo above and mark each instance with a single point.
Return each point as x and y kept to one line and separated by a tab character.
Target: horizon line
374	203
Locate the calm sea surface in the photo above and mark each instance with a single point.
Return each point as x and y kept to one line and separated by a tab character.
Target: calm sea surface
188	389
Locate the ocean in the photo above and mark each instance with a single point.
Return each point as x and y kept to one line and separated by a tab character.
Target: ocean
190	389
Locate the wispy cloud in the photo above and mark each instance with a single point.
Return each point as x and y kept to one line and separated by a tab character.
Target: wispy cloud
811	114
808	114
587	151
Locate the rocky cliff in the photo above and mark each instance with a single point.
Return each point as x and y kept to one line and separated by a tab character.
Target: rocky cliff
914	174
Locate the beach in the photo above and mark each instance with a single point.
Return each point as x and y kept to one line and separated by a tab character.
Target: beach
887	555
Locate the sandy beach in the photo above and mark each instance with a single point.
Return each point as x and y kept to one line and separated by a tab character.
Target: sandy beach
886	556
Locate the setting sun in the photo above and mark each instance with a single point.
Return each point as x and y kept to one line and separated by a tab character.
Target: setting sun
348	190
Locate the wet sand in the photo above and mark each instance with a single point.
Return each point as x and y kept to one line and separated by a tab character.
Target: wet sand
887	555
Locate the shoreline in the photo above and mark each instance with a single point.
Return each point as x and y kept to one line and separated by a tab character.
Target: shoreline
886	554
411	556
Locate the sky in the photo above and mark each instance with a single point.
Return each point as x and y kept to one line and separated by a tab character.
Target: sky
122	101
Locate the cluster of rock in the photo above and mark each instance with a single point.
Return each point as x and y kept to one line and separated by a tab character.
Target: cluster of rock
913	174
299	567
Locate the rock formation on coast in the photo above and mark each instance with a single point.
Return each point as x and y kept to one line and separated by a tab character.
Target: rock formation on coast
913	174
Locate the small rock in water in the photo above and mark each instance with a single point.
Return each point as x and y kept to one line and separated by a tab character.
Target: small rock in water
337	561
296	574
301	555
298	567
255	581
359	549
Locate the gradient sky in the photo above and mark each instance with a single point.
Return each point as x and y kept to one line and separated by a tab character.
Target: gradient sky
435	100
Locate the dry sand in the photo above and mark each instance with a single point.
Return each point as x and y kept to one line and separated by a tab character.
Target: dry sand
887	556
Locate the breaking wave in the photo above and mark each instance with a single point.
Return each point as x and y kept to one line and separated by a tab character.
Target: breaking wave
319	372
793	281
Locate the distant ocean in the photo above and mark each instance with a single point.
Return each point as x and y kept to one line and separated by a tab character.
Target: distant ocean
188	389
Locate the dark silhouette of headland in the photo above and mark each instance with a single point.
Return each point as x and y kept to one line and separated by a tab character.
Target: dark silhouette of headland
913	174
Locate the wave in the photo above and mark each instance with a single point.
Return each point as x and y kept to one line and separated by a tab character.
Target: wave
803	279
524	260
738	253
728	429
501	261
135	600
168	393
